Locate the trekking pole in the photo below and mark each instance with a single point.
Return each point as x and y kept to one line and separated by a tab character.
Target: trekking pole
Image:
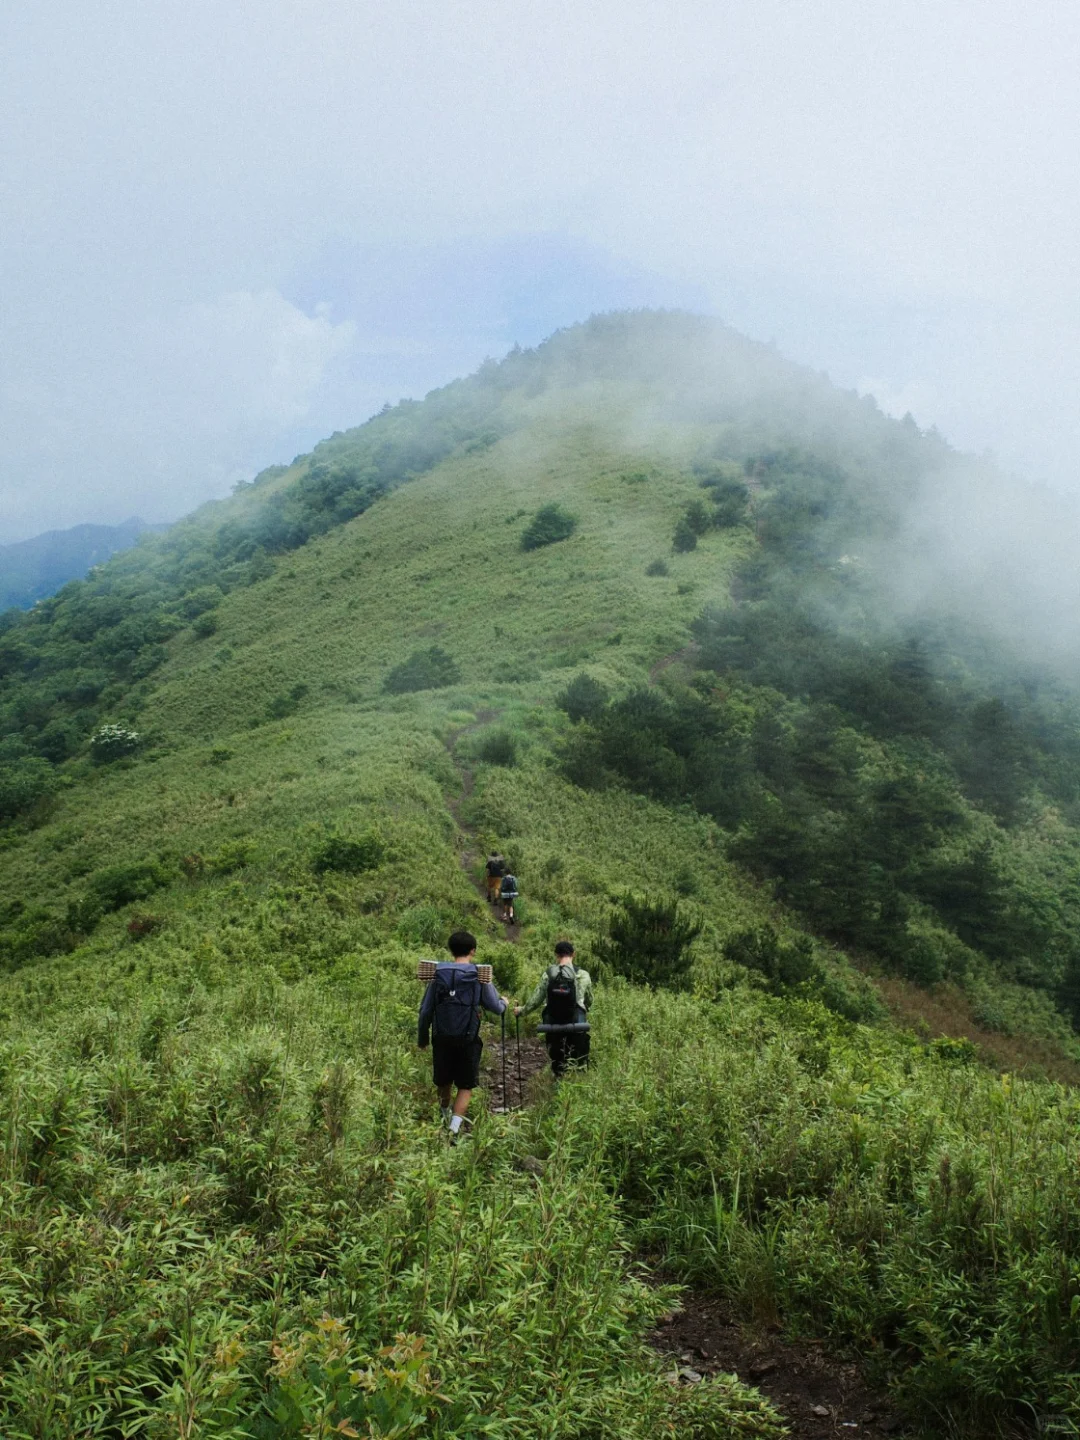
517	1037
505	1097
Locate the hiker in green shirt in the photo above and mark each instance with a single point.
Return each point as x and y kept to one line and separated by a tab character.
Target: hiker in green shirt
565	991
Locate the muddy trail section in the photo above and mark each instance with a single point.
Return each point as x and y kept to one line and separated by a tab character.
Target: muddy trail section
470	854
525	1071
818	1395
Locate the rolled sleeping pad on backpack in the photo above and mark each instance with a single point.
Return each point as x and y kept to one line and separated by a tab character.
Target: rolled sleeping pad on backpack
579	1027
425	970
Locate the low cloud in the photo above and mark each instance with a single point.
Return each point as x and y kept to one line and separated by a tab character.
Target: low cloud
176	406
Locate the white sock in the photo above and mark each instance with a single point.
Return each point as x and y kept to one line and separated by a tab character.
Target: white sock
455	1124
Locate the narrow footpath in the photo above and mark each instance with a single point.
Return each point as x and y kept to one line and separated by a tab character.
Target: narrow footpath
818	1395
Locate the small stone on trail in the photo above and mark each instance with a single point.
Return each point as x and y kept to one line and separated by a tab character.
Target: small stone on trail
822	1410
690	1376
761	1368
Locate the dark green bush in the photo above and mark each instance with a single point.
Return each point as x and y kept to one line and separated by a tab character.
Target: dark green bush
231	856
786	965
698	518
23	783
658	567
118	885
284	705
348	855
584	698
430	669
549	525
730	502
205	624
685	538
650	942
498	747
31	932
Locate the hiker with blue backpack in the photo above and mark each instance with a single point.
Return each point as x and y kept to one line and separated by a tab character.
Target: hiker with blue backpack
565	991
450	1013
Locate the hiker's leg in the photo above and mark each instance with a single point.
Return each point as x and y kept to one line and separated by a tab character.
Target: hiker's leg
445	1092
558	1053
461	1101
578	1047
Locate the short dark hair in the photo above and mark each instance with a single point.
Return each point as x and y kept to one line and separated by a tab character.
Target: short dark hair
461	943
564	948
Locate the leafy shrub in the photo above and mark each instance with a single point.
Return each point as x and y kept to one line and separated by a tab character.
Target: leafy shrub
685	538
348	855
549	525
498	747
111	742
205	625
284	705
317	1383
32	932
658	567
650	942
697	518
233	855
786	965
220	755
199	601
584	698
118	885
730	501
430	669
23	783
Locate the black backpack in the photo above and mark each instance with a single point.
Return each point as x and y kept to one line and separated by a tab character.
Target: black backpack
509	885
457	1002
561	1005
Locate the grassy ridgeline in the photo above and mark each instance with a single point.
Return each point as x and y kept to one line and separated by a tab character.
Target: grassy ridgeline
216	1130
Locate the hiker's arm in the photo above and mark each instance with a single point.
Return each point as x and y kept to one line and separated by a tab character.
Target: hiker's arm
427	1011
537	998
586	992
491	1000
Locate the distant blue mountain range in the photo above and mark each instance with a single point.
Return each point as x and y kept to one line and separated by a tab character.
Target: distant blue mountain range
32	569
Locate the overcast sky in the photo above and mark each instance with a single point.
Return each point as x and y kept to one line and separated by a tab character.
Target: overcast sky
227	229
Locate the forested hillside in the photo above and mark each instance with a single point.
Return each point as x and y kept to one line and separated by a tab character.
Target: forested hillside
627	607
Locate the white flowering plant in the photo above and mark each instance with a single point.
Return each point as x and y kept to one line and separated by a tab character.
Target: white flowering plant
110	742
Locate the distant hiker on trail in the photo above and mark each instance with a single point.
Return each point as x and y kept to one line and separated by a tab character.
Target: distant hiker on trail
565	991
496	869
450	1011
508	893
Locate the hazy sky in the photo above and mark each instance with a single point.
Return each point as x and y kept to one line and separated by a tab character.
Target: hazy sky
227	229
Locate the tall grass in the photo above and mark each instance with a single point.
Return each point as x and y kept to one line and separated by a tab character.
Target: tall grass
248	1225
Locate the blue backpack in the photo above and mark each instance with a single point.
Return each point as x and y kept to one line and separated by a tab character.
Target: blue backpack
457	1002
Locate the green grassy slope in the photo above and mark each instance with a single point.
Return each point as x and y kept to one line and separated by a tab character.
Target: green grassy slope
218	1131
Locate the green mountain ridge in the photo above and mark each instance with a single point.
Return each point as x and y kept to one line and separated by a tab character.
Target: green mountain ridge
31	570
704	697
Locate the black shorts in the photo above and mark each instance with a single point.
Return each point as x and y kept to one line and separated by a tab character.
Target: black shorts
456	1062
